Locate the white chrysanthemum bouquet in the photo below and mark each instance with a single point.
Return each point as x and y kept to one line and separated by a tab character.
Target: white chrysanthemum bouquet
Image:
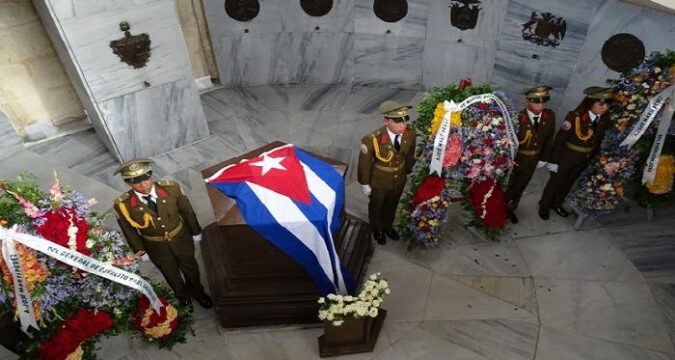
337	308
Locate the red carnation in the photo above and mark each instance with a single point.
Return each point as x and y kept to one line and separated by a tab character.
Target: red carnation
501	161
430	187
76	329
491	207
488	142
482	105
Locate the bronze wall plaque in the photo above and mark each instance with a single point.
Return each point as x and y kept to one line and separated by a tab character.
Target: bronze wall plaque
316	7
464	13
242	10
623	52
390	10
132	49
544	29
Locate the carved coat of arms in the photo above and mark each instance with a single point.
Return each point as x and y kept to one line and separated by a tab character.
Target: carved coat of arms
132	49
544	29
464	13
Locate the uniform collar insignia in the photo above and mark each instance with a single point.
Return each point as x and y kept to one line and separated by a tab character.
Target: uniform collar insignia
384	138
161	192
133	200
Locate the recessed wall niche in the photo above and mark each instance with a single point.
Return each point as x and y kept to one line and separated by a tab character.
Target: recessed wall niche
242	10
316	7
390	10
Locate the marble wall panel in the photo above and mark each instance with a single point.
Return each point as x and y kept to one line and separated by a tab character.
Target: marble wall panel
446	62
66	9
414	24
10	142
320	58
488	26
269	19
654	28
520	64
106	75
155	120
253	59
385	60
339	19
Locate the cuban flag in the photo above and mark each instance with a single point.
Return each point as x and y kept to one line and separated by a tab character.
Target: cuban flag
294	201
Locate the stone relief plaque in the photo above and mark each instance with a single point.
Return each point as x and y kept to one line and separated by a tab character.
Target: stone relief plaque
622	52
242	10
464	13
544	29
390	10
132	49
316	7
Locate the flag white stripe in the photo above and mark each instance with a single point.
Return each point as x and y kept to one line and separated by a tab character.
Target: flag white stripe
327	197
288	215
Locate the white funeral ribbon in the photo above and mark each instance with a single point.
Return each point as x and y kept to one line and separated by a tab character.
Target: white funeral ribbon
24	301
66	256
649	172
648	116
441	139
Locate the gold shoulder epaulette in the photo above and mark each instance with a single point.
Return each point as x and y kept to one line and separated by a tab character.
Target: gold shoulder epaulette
167	183
122	198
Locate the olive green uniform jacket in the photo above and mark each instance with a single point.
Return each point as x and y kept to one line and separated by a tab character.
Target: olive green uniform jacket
577	141
535	146
385	170
167	239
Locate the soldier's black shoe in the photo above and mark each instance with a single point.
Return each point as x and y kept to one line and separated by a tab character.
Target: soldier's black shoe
379	237
392	234
560	211
204	301
543	214
185	302
512	217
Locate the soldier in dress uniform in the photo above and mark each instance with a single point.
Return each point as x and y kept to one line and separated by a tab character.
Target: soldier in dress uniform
535	137
157	219
387	156
575	144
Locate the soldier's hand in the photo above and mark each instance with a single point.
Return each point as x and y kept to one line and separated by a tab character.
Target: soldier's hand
552	167
197	238
141	255
541	164
366	189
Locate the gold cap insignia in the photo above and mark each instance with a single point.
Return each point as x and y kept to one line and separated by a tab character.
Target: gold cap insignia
538	92
393	109
134	168
600	93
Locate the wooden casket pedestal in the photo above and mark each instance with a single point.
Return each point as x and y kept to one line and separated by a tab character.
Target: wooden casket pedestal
253	283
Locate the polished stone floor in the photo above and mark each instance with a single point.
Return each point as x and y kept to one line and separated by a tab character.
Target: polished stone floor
546	291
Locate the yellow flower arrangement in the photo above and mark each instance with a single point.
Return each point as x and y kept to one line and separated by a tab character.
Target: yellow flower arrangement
663	181
439	113
76	355
162	329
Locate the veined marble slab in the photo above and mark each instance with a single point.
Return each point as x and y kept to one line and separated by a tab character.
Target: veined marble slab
155	120
446	62
488	26
253	59
558	256
339	19
623	312
414	24
388	60
320	58
656	30
269	19
491	339
10	142
66	9
562	345
106	75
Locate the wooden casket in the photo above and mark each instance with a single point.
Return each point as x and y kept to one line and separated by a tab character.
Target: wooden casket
253	283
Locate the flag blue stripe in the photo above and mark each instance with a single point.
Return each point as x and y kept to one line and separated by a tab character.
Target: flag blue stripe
259	219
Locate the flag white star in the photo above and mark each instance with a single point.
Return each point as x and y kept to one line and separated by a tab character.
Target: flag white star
269	163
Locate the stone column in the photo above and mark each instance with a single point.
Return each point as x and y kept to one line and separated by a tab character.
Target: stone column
139	109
